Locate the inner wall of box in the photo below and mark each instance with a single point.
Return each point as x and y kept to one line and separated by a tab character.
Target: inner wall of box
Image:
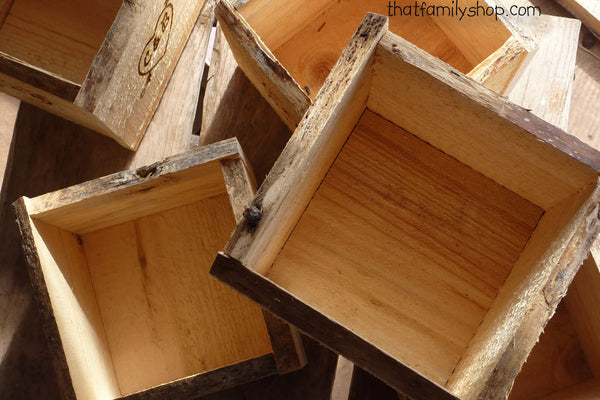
333	26
404	238
61	36
565	363
161	316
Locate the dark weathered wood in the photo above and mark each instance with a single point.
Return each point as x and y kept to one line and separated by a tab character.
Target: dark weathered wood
365	386
286	342
311	382
339	338
211	382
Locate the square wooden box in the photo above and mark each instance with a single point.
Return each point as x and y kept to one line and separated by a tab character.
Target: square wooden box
120	268
102	64
565	364
418	223
305	45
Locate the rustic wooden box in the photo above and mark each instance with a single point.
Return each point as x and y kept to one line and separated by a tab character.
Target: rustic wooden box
65	57
120	268
418	223
565	364
314	34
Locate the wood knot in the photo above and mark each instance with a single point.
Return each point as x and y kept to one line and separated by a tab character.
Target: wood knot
147	171
252	215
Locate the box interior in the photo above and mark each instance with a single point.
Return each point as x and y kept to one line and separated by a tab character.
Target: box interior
61	37
564	364
440	240
133	299
435	212
463	44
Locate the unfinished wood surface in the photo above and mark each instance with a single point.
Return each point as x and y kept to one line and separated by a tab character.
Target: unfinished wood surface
556	362
518	163
311	52
121	197
57	36
233	107
74	50
587	390
8	116
198	323
261	67
64	155
62	278
545	85
497	71
329	131
140	26
584	118
588	11
446	236
583	303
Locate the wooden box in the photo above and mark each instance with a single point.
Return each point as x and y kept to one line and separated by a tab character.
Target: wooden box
66	58
565	364
314	34
418	223
120	268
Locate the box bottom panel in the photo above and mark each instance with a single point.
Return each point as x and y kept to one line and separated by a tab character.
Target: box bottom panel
405	246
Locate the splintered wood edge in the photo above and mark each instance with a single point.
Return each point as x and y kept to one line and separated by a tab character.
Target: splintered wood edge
331	334
225	149
517	115
286	344
42	298
261	67
210	382
497	71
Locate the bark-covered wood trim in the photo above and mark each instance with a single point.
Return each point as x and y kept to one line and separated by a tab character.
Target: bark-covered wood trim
210	382
42	298
331	334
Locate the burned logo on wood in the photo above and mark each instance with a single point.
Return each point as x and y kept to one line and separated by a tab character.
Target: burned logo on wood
156	48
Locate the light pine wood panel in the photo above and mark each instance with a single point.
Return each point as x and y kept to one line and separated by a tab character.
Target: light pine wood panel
165	317
556	362
311	52
61	36
415	213
475	126
296	14
588	11
64	267
583	303
545	86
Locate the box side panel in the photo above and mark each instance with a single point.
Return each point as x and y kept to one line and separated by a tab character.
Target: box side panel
477	126
310	54
134	64
583	303
329	332
556	362
311	150
165	317
261	14
75	310
60	36
528	298
405	246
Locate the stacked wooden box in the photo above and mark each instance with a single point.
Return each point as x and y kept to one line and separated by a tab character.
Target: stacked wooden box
416	222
